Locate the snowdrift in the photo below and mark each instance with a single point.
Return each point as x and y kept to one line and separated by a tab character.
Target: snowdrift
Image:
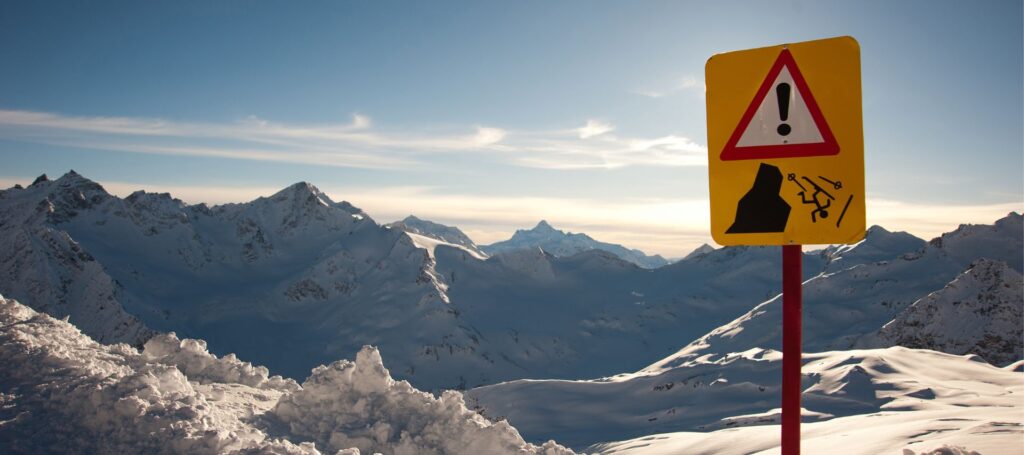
62	392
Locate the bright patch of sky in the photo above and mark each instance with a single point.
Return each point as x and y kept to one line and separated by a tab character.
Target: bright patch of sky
491	116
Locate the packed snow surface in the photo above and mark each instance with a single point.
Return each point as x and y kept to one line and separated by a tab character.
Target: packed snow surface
62	392
855	402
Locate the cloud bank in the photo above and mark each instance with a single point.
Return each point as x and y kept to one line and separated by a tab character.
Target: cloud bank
358	143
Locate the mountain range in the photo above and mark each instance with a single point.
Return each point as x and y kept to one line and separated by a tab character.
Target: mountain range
563	244
296	280
319	279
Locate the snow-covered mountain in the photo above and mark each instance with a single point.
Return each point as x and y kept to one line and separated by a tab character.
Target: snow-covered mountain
304	272
319	279
562	244
700	251
62	392
878	245
448	234
295	280
843	308
970	307
979	312
44	265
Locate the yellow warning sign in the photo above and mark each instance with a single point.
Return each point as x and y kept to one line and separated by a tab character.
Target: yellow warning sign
786	144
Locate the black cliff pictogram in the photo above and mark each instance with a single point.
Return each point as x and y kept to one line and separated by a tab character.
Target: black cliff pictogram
762	209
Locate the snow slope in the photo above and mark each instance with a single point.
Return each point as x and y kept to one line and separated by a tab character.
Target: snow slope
957	431
878	245
50	270
843	307
594	314
980	312
560	243
430	244
732	365
730	405
62	392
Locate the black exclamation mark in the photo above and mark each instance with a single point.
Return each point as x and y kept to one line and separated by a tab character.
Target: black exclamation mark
782	91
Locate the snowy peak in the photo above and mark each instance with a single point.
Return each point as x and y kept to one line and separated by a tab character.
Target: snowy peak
980	312
70	194
563	244
301	193
1001	241
307	195
297	190
51	201
543	226
437	231
878	244
73	182
532	262
155	202
299	208
700	251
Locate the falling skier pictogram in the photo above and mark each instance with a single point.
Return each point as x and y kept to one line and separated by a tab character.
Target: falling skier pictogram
820	197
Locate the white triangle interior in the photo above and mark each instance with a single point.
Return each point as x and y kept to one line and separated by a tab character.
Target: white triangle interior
763	127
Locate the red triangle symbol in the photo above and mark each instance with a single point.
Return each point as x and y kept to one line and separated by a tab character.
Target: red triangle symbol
787	124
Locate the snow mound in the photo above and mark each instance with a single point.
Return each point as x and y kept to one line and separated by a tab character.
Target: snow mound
357	403
62	392
196	362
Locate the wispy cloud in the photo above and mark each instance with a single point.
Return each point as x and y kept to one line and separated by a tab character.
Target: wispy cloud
594	128
488	136
678	85
356	143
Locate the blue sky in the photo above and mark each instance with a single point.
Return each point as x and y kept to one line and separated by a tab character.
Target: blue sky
493	115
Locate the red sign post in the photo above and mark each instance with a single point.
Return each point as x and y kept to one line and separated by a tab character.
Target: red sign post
792	330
